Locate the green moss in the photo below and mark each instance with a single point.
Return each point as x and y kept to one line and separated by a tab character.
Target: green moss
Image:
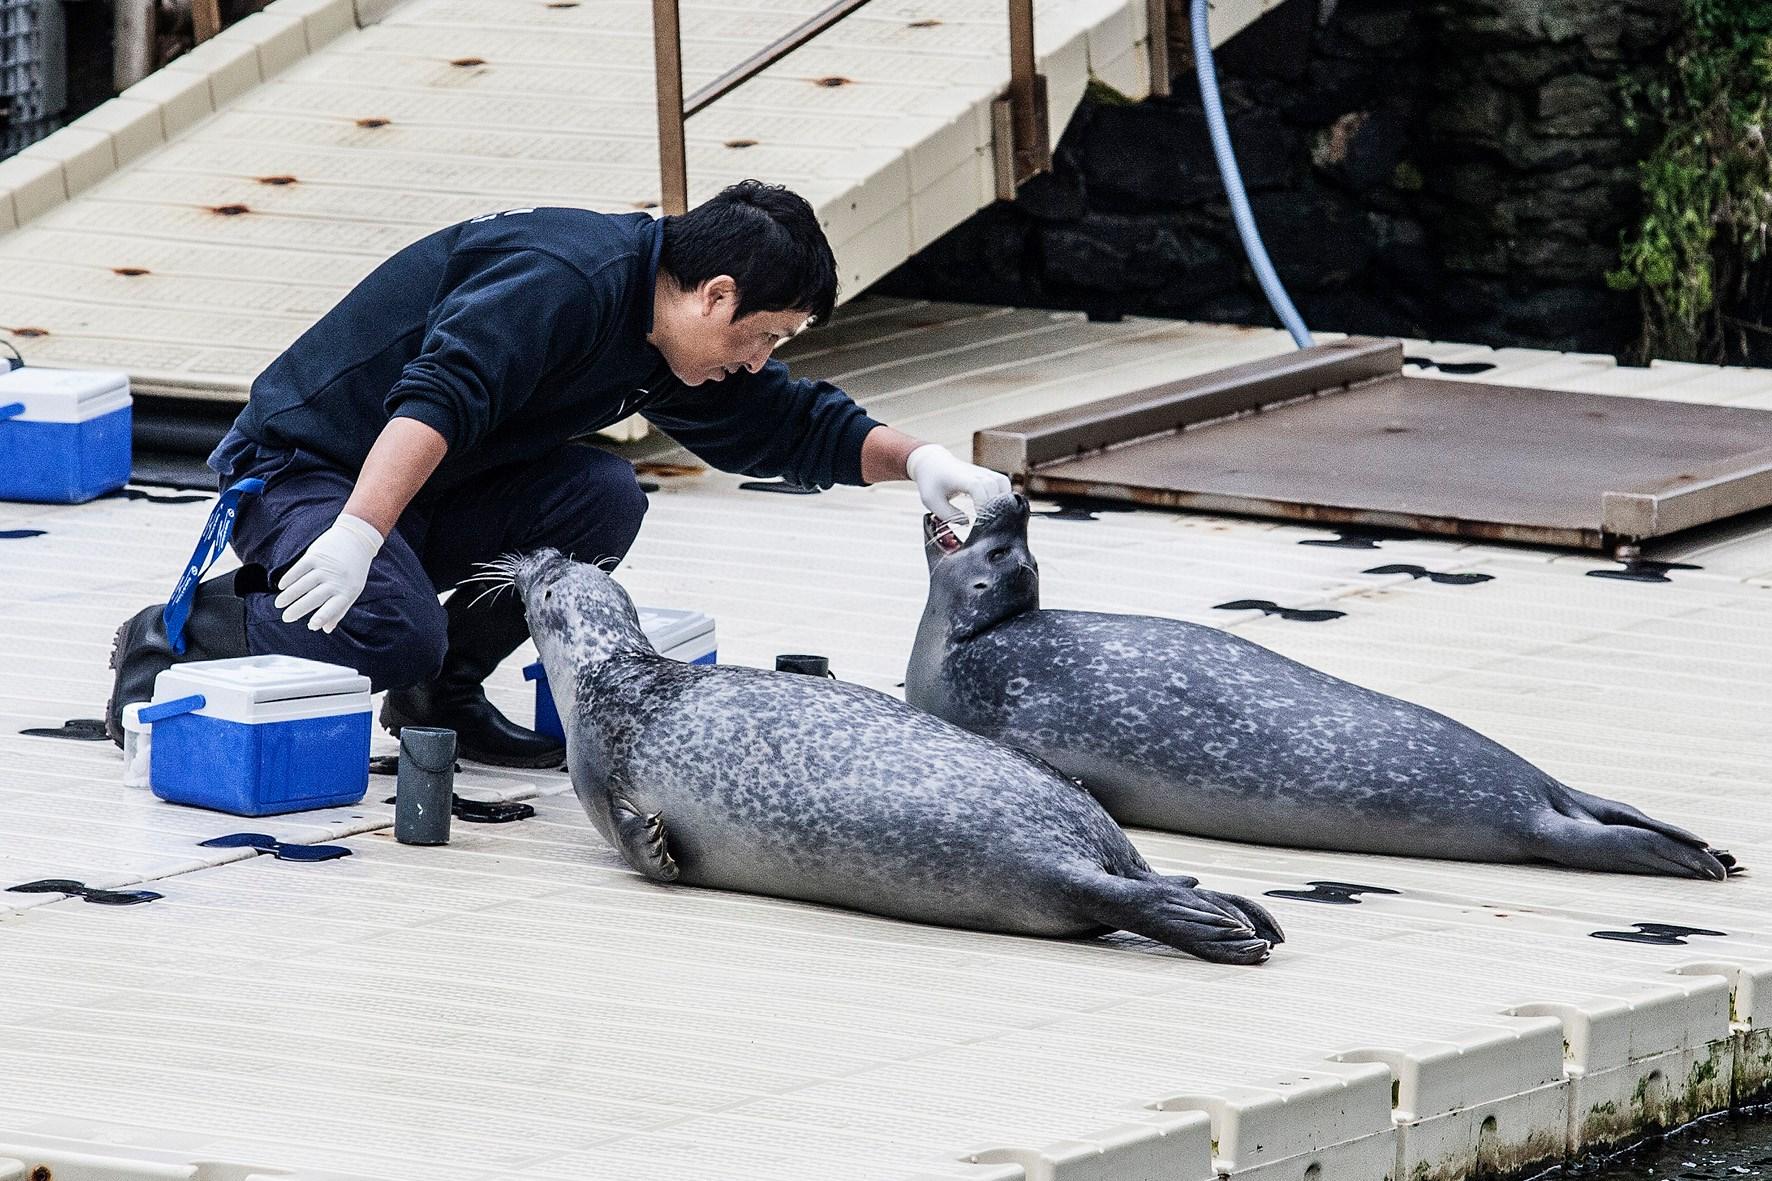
1707	184
1103	95
1707	1088
1407	177
1752	1079
1603	1125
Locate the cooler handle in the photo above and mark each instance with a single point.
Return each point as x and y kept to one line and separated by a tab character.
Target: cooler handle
11	410
161	710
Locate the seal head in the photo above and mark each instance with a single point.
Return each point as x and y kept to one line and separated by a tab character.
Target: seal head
988	577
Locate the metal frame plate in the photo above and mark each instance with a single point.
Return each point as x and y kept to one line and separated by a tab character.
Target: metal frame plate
1337	433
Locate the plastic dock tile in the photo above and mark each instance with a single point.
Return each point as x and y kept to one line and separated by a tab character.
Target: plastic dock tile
1443	1017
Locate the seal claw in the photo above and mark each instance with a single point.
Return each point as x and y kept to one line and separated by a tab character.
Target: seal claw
1256	915
643	841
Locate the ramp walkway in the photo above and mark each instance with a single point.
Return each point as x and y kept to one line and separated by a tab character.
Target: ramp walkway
190	229
517	1005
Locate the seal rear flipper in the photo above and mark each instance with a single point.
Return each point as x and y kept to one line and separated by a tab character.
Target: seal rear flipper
1218	927
641	840
1621	848
1613	812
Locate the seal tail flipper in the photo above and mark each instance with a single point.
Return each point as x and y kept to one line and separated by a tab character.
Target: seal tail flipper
641	840
1612	812
1625	848
1579	804
1218	927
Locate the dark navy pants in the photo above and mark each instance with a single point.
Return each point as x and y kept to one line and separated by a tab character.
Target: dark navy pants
579	500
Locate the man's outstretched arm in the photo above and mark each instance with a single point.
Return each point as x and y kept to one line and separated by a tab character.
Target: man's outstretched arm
888	454
769	424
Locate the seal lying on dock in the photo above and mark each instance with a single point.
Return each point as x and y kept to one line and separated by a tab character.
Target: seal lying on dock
804	788
1188	728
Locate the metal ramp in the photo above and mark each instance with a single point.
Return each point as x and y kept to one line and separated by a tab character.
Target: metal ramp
1338	433
191	229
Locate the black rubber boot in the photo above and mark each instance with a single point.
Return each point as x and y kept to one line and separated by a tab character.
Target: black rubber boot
216	630
480	636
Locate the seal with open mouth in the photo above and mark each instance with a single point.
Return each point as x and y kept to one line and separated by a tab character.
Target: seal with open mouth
806	788
1184	727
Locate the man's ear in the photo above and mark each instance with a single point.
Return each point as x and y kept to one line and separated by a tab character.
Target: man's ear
720	291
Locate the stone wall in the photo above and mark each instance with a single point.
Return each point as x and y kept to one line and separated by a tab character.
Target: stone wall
1456	169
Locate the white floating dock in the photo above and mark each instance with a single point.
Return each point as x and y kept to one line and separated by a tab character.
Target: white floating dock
520	1005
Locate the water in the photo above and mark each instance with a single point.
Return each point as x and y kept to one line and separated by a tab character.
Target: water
1723	1148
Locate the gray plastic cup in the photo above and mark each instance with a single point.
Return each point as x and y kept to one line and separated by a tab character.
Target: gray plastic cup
812	666
426	788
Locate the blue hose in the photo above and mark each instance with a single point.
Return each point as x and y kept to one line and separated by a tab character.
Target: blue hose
1233	181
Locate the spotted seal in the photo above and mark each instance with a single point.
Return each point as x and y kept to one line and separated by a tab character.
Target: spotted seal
1188	728
813	789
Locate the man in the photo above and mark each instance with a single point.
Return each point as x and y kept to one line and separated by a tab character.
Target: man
422	426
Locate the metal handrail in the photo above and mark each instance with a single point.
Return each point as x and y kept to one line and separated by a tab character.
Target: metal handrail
673	162
767	56
1023	145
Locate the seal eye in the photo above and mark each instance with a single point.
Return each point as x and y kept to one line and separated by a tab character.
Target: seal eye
981	585
998	554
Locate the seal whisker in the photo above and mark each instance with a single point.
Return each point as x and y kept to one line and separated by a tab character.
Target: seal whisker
490	592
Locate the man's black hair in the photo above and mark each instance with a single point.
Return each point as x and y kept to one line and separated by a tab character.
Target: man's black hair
767	238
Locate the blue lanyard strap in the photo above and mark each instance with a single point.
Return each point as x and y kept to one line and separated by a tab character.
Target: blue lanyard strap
215	539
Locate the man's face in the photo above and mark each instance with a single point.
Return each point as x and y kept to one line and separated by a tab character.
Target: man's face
704	342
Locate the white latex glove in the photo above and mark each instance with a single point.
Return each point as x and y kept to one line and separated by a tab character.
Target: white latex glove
940	477
330	575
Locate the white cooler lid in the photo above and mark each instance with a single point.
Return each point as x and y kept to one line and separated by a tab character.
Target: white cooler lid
64	395
670	627
239	688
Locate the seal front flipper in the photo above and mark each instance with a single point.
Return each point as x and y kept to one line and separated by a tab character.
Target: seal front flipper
641	840
1257	915
1218	927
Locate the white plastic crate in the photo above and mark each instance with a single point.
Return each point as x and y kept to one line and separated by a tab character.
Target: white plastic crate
33	87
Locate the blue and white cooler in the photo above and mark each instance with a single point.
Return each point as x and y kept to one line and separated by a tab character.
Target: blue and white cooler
681	635
64	434
259	735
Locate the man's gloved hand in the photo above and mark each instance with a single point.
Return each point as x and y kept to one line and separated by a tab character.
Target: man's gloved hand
940	477
327	579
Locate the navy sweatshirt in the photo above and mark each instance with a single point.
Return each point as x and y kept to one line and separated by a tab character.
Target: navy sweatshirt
514	332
